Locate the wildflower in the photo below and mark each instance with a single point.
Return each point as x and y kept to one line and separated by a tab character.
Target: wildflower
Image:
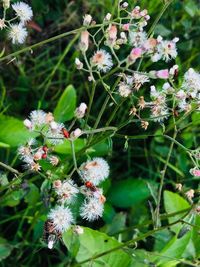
179	187
133	111
79	64
66	191
124	89
137	39
78	230
28	124
191	81
80	111
61	217
91	209
135	13
55	133
167	49
102	60
181	95
190	194
23	11
144	124
84	43
135	53
108	17
76	133
17	33
163	74
112	34
141	102
35	166
139	80
125	27
38	118
95	170
87	20
54	160
57	184
49	117
2	24
195	172
173	71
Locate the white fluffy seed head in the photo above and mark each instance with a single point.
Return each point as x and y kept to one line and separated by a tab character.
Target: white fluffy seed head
17	33
95	171
102	60
91	209
62	218
23	11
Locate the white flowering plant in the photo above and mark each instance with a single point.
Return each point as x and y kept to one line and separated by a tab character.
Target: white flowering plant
72	160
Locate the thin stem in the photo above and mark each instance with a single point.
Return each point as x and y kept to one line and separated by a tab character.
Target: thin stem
7	167
157	211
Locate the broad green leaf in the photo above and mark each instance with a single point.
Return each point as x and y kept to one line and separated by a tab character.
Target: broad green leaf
13	198
5	249
174	203
3	145
128	192
65	148
93	243
65	108
13	133
174	249
196	236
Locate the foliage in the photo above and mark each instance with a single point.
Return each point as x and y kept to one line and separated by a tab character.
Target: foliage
128	233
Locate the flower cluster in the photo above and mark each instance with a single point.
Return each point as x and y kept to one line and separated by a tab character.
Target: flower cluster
16	26
119	47
91	173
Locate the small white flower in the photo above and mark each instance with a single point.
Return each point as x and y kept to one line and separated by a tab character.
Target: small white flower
23	11
91	209
167	49
28	124
124	89
137	39
191	81
102	60
95	171
78	63
108	17
87	19
38	118
78	230
62	218
80	111
67	191
76	133
55	136
17	33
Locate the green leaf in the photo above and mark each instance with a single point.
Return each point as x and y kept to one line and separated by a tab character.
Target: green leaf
33	195
93	243
13	198
65	108
174	203
5	248
174	249
128	192
65	148
13	133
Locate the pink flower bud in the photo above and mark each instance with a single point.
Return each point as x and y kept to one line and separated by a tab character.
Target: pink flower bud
135	53
112	32
84	44
162	74
126	26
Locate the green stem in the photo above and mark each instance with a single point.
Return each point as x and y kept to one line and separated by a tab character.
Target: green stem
5	166
157	211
